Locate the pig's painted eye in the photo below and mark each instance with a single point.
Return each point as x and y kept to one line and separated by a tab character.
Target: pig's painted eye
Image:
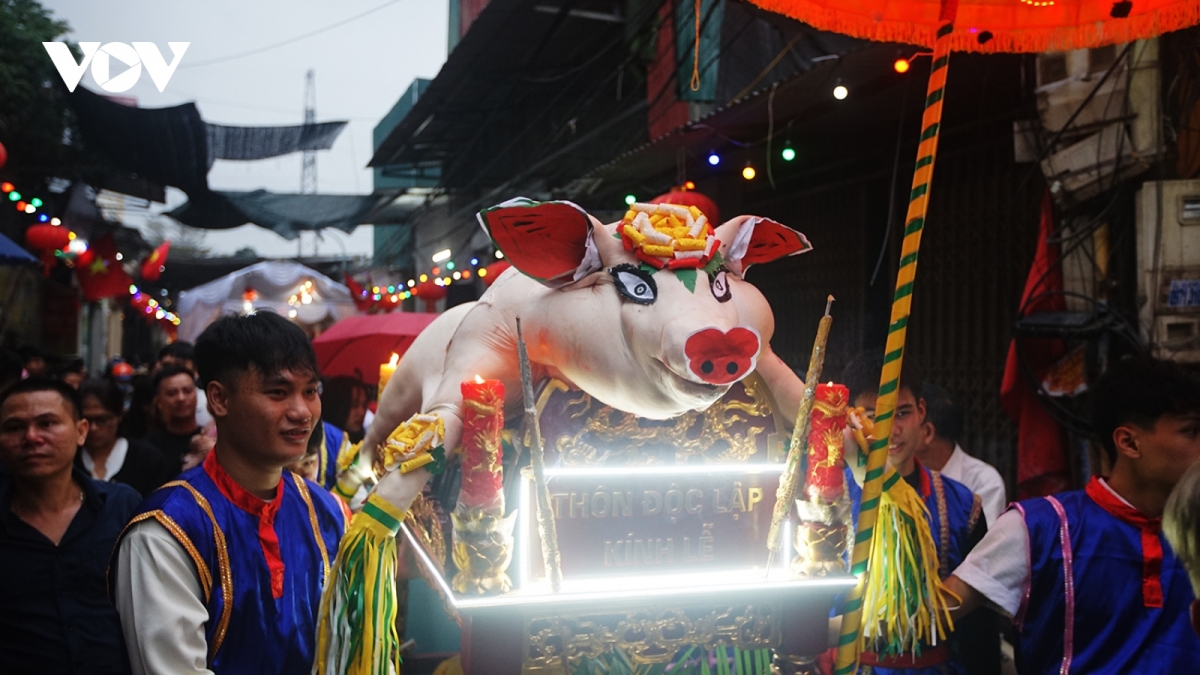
720	285
634	284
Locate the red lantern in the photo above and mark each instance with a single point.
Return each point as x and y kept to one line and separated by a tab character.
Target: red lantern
692	198
46	239
430	291
495	270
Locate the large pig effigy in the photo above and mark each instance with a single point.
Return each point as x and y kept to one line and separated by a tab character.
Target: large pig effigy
650	317
642	333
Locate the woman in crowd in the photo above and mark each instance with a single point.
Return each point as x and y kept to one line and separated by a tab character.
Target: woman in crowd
344	402
106	455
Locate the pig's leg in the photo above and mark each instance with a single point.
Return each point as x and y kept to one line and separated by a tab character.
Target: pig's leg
416	378
485	358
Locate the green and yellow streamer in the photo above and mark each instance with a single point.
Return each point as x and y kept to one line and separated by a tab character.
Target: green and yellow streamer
357	630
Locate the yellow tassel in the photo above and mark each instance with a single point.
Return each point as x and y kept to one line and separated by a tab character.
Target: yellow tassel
905	605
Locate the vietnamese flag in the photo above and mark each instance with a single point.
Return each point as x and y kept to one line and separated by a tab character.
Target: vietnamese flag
152	267
1043	463
362	301
99	272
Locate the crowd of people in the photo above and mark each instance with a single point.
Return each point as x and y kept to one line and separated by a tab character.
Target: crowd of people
85	462
181	521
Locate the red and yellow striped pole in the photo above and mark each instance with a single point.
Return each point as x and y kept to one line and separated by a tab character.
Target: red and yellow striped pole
850	640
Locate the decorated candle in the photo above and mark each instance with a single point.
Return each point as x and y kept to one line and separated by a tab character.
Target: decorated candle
386	370
483	420
826	445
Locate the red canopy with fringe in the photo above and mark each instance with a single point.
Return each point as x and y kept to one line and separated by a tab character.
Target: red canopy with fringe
996	25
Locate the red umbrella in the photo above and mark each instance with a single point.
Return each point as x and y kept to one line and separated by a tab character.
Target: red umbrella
357	345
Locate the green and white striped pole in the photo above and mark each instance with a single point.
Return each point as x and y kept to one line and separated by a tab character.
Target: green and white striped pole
850	641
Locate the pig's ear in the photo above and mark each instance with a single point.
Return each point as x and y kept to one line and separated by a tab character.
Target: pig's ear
753	240
549	241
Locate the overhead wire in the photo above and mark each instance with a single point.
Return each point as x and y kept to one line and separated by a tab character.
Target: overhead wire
293	40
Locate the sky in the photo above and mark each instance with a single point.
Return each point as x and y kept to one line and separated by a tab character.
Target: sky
361	69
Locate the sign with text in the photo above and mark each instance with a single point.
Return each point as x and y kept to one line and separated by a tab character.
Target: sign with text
636	521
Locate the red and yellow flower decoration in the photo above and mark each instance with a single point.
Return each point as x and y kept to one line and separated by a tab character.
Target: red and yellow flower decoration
668	235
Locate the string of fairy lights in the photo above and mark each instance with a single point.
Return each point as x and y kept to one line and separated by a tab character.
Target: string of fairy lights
75	247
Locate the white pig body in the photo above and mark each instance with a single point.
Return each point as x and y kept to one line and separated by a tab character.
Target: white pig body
656	357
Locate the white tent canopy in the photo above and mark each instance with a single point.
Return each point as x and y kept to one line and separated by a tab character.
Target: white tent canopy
277	285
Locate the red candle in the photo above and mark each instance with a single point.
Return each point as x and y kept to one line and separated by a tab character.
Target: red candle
826	447
483	420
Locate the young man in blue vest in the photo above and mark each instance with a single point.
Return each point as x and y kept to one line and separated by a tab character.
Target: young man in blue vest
956	522
222	569
1087	576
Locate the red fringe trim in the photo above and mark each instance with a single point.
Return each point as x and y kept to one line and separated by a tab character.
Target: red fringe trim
1152	23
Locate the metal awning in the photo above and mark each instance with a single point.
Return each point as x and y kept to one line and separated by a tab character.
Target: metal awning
522	79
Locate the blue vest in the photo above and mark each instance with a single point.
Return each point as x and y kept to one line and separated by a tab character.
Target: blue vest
262	606
953	512
1114	631
333	444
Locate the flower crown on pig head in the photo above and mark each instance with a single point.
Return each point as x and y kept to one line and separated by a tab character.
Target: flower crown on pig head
556	244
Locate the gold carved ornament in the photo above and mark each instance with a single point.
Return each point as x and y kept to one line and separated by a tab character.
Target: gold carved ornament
646	637
710	434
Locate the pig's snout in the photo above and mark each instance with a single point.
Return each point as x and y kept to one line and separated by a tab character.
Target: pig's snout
718	357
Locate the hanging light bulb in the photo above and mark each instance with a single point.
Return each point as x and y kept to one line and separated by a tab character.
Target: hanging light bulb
713	159
901	66
630	199
689	185
840	92
36	202
788	153
748	172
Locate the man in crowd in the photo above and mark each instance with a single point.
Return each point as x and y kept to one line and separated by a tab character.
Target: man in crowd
224	568
1181	524
1091	583
57	529
955	520
940	451
182	354
175	405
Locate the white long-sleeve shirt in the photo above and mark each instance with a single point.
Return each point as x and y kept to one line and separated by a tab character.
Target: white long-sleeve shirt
981	478
161	604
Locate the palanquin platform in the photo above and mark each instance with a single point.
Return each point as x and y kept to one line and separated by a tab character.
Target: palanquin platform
662	528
